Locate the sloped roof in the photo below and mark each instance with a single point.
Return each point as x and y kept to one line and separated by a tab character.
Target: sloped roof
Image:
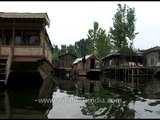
66	54
150	50
114	54
25	15
80	59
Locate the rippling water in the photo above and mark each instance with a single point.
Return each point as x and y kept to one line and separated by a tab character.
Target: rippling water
84	98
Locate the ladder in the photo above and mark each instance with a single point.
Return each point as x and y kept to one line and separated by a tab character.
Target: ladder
3	63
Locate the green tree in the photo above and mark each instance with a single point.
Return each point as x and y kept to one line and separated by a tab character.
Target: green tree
71	49
98	42
123	31
63	49
103	44
56	52
81	47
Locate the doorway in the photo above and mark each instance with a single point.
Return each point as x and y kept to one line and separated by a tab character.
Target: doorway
92	65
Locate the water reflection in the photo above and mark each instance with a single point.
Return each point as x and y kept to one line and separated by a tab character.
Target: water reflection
21	103
85	98
107	98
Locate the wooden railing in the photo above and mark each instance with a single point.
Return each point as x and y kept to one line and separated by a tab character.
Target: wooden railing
25	51
21	50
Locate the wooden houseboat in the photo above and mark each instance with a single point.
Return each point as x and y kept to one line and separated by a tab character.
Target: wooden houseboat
117	60
25	46
152	59
87	66
152	56
118	65
64	65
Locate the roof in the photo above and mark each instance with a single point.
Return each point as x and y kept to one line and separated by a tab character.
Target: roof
151	50
119	54
25	15
80	59
66	54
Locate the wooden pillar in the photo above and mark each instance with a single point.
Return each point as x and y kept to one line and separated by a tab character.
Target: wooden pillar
115	73
137	71
43	39
132	83
4	40
132	71
13	32
22	35
127	73
13	37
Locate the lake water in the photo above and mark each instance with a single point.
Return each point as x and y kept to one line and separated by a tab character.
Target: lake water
84	98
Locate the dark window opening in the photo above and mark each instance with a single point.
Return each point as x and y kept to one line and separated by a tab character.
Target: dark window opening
1	40
8	37
21	37
31	38
92	65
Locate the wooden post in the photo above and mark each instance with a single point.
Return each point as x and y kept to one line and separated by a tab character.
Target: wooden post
132	71
7	105
114	74
4	40
43	39
13	38
13	32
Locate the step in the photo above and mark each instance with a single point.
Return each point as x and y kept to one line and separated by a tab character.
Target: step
2	63
3	60
2	70
2	73
2	109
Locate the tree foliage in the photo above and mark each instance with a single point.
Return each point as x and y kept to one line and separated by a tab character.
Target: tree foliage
98	42
123	31
81	47
71	49
56	52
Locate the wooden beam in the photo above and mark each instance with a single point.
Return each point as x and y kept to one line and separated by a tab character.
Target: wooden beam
7	24
43	39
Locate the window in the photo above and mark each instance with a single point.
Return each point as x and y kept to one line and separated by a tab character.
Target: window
152	61
8	37
18	40
34	40
31	38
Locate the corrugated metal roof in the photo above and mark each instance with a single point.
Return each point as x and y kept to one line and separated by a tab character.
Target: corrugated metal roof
80	59
25	15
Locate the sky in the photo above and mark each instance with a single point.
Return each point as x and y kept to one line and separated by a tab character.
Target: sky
71	20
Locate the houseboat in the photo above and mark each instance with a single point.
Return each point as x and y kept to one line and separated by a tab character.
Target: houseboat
25	47
64	65
117	60
152	56
152	59
87	66
118	65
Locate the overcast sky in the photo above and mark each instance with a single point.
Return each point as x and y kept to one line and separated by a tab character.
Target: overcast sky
70	21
